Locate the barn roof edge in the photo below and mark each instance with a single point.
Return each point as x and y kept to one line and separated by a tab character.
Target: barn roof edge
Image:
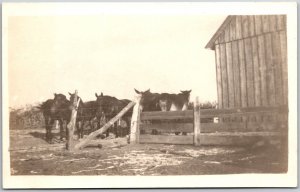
211	43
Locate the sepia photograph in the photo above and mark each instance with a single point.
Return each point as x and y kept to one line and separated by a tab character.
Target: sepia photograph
149	95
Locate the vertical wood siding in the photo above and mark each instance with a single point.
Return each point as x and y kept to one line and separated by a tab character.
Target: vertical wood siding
224	75
251	62
219	77
242	73
236	73
256	71
230	75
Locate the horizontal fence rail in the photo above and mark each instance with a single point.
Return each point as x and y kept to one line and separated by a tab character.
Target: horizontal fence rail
171	127
209	113
234	125
167	139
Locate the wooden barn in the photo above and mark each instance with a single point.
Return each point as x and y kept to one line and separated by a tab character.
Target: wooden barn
251	61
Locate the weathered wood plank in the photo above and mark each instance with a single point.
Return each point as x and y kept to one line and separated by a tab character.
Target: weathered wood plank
249	70
258	24
251	25
263	68
170	127
230	75
227	34
270	70
266	23
242	73
232	29
219	76
70	145
277	68
188	114
283	50
245	26
256	72
206	113
197	124
236	73
273	23
238	27
222	37
280	22
224	76
135	121
239	127
167	139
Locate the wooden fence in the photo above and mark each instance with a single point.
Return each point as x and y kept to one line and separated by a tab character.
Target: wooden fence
242	125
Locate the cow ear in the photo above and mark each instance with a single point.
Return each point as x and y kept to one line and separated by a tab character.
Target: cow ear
137	91
55	94
190	91
101	94
96	95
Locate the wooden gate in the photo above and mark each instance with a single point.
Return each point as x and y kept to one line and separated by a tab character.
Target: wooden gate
239	126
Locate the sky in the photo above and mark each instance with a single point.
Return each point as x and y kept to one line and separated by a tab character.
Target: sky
110	53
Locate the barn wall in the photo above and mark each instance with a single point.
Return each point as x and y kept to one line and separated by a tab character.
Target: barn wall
251	62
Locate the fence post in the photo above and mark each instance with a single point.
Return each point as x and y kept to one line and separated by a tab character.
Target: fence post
197	124
72	124
135	121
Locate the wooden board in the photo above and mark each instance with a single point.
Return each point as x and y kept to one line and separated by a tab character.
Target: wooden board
159	115
232	29
206	113
273	23
263	68
258	24
167	139
277	68
242	73
238	27
270	70
249	70
224	75
245	26
256	69
266	23
171	127
227	34
281	22
230	75
283	49
236	73
251	25
222	37
219	76
239	127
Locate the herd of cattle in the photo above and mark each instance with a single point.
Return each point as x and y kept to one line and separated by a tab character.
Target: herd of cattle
95	113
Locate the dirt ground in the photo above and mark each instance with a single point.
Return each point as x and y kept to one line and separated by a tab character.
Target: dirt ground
31	155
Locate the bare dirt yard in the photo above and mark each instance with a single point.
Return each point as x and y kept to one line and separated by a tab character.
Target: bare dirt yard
30	154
